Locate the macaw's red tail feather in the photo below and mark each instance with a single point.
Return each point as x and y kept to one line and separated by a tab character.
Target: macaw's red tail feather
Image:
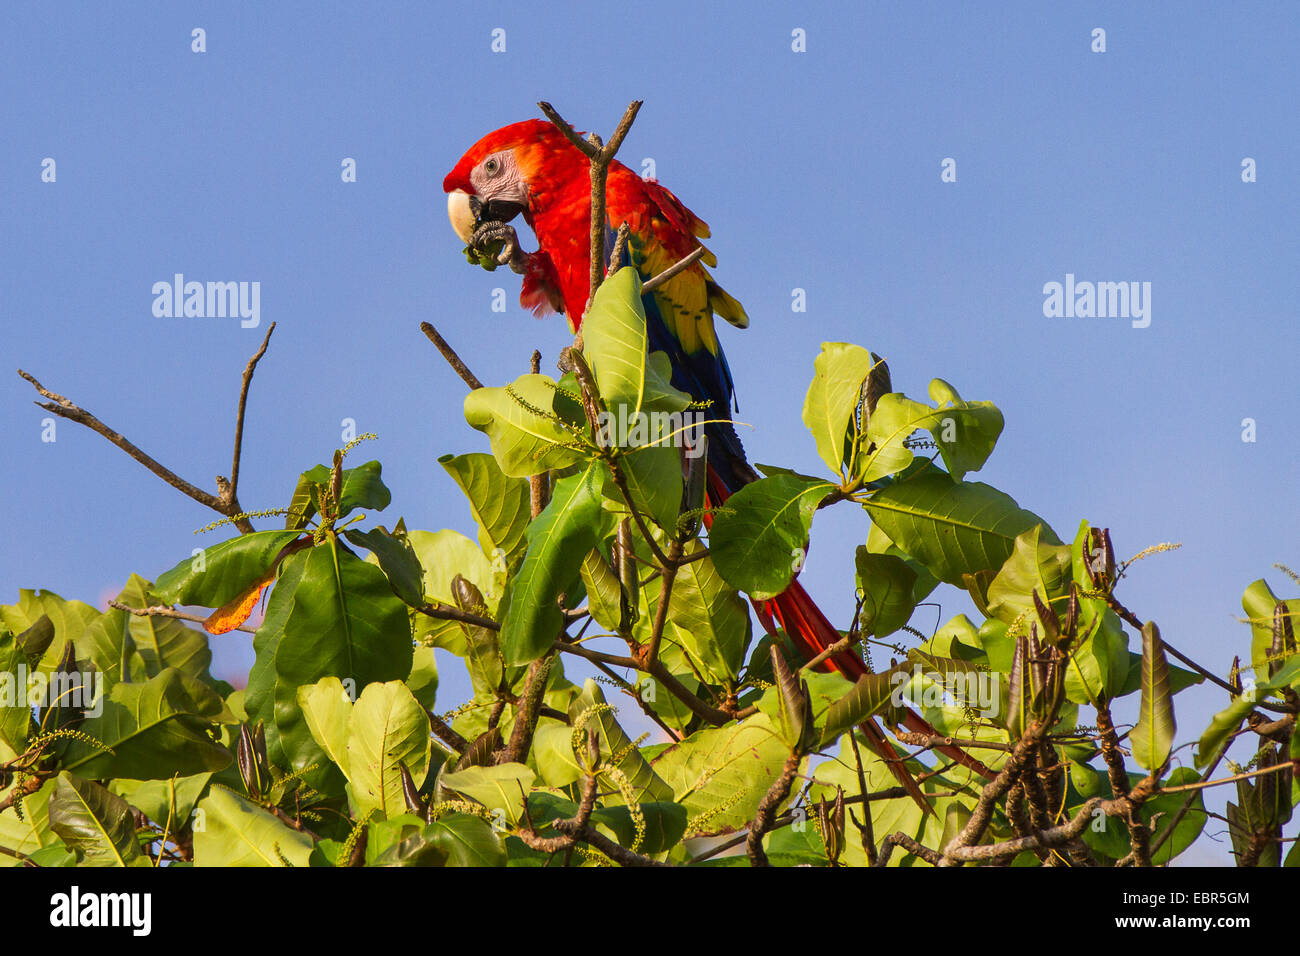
812	633
795	612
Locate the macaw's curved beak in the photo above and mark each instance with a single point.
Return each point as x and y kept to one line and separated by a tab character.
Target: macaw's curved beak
468	212
462	210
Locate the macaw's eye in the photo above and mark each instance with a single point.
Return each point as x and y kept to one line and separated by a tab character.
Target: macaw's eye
492	166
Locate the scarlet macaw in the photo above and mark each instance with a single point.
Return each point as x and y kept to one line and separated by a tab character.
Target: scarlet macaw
531	168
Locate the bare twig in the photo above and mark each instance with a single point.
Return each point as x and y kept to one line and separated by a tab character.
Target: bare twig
786	818
450	355
660	673
619	854
1203	784
679	266
933	857
996	789
539	485
445	612
930	741
843	644
161	610
443	732
527	711
231	490
1118	773
650	651
866	828
600	157
763	817
620	246
1045	839
1130	618
226	501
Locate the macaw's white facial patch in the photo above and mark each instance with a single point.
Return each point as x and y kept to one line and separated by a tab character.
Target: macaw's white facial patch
498	177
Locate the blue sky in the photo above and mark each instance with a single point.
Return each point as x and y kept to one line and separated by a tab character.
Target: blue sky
817	171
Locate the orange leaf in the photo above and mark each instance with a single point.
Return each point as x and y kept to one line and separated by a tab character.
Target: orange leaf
236	612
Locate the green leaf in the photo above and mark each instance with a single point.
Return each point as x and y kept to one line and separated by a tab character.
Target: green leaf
15	712
70	620
443	555
1163	808
870	695
465	840
1034	565
651	442
501	505
1153	736
235	832
654	479
659	394
327	709
423	679
709	619
602	587
155	729
954	528
388	730
965	432
33	831
396	559
645	783
1228	719
886	583
665	824
558	540
36	640
1179	678
614	342
163	641
108	646
93	822
833	397
503	787
878	543
1099	665
219	573
722	773
159	798
361	488
330	615
520	421
553	753
1259	603
760	541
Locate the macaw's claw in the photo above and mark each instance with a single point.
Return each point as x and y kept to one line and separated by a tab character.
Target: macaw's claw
507	253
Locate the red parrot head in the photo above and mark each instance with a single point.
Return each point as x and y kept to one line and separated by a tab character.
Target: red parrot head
498	177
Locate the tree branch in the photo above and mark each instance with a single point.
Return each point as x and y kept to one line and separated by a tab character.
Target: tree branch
763	817
226	501
680	265
450	355
600	156
161	610
249	369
